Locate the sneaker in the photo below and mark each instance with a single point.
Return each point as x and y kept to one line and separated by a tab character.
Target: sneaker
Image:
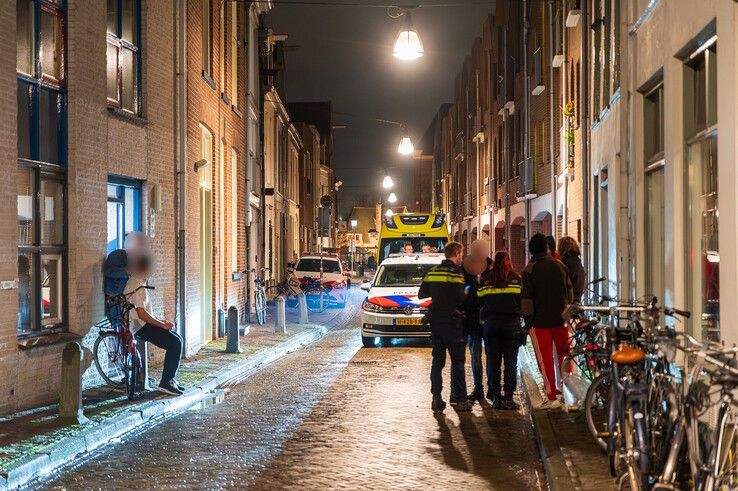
169	388
178	385
550	404
462	406
438	403
509	404
476	395
496	401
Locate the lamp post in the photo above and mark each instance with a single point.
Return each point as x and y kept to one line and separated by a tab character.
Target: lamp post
352	246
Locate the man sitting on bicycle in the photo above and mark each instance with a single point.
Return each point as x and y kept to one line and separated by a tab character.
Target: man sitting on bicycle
145	326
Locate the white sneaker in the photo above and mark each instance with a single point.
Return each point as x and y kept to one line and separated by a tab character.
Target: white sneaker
549	405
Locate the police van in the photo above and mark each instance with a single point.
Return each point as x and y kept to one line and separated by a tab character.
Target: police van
392	308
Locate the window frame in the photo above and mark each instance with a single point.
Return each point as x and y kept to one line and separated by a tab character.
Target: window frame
128	183
116	40
45	171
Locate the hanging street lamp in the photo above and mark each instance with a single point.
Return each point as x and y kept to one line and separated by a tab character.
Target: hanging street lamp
392	198
387	182
406	146
408	46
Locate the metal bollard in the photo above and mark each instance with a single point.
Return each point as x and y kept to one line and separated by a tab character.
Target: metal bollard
70	391
280	322
303	307
233	344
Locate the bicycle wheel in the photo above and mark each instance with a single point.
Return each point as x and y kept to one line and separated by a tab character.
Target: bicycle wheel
662	416
636	441
273	291
595	405
722	470
260	306
109	359
316	299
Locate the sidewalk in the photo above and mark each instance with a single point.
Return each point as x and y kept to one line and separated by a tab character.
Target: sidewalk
33	443
570	456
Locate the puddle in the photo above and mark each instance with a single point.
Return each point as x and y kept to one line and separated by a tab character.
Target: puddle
215	397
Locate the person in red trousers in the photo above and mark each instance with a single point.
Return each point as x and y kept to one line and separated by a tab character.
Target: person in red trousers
546	294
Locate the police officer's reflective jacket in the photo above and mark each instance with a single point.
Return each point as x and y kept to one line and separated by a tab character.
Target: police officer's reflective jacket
444	284
500	303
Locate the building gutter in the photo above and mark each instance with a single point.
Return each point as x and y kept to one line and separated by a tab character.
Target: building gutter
552	121
586	178
180	32
526	124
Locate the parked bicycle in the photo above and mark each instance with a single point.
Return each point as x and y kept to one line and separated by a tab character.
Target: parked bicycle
288	287
260	299
115	352
317	295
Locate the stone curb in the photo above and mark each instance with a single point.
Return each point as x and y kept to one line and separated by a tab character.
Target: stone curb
554	463
67	449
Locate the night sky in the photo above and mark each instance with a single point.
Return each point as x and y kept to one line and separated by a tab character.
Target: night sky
344	53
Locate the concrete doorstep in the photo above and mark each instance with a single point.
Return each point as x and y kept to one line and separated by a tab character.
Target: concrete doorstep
557	471
143	417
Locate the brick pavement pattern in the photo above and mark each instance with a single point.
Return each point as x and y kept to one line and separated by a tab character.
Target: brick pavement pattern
330	416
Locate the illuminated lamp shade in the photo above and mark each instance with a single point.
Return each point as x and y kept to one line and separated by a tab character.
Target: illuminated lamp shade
389	213
392	198
406	146
408	46
387	182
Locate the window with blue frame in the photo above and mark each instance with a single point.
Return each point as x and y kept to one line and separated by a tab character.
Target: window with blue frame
124	55
42	158
124	211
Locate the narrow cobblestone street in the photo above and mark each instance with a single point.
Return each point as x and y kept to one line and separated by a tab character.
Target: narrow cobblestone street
332	415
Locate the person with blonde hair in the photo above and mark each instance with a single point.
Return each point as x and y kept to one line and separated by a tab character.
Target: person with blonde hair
572	259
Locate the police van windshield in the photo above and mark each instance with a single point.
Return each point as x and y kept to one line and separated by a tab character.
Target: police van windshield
408	245
313	266
402	275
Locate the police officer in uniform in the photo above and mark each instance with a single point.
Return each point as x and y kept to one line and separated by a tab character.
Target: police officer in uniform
499	296
444	284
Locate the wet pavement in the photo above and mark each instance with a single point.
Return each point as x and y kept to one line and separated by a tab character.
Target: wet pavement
329	416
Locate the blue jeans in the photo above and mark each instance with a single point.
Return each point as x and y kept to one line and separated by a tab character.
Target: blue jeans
475	349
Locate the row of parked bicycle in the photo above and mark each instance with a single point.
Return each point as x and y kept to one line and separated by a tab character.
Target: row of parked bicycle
659	402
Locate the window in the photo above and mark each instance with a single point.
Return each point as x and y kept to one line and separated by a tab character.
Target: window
703	254
234	210
41	178
124	211
207	38
655	229
653	124
124	55
233	31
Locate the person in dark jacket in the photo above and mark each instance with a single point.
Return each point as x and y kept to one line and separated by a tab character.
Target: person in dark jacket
499	296
475	263
444	285
572	259
545	295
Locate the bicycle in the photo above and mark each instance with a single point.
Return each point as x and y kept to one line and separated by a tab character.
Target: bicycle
260	299
115	352
288	287
316	294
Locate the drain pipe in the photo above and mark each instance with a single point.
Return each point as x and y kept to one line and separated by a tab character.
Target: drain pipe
552	121
585	141
564	99
526	125
181	142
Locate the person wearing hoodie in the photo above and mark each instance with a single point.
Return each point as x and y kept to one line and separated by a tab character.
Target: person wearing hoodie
572	259
545	296
499	297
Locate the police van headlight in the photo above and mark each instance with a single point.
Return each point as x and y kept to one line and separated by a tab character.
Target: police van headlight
368	306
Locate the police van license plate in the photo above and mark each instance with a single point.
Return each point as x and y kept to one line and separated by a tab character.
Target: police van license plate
408	322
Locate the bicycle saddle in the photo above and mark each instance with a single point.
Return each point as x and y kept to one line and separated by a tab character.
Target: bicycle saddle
727	380
627	355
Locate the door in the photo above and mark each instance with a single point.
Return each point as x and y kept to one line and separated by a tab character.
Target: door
206	263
